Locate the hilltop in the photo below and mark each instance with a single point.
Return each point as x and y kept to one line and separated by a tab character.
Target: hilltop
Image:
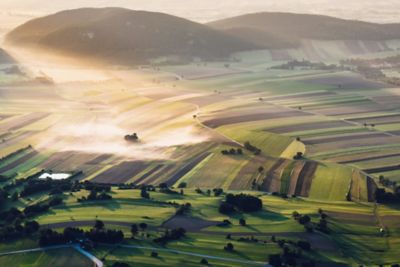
125	36
283	30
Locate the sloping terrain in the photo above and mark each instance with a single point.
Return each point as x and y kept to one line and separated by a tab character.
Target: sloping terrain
280	30
5	58
125	36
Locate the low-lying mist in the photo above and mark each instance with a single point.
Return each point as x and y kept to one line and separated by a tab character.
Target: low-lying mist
107	138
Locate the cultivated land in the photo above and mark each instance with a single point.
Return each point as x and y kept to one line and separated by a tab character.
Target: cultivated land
345	126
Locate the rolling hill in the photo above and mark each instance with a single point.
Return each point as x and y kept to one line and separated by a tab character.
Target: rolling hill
5	58
125	36
283	30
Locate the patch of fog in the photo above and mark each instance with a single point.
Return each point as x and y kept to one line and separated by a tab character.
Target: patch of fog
107	138
55	176
59	69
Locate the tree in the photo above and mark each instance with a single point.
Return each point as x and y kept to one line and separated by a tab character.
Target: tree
275	260
226	208
204	261
295	215
163	186
260	169
134	230
182	185
229	247
143	226
154	254
299	155
98	225
144	193
304	219
242	222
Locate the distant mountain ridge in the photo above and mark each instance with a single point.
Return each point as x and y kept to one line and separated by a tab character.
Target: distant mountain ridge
125	36
122	36
283	30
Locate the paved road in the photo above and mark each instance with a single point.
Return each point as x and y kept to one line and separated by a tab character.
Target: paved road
195	255
96	261
128	224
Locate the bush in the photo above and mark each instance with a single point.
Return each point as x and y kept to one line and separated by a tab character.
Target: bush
245	203
204	261
182	185
275	260
226	208
154	254
229	247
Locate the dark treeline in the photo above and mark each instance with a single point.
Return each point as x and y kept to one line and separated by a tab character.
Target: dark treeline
18	230
384	197
293	64
240	202
50	237
15	153
170	235
252	148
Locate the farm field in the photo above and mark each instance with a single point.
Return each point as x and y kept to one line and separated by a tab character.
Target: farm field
347	222
61	257
301	140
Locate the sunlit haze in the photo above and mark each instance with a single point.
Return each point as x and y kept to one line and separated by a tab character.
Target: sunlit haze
13	12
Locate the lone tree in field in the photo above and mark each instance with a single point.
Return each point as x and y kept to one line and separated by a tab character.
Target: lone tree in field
299	155
229	247
242	222
134	230
144	193
143	226
132	137
99	225
260	169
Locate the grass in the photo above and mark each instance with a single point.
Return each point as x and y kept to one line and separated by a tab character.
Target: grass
331	182
132	209
271	144
59	258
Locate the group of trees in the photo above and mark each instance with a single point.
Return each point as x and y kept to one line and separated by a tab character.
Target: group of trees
292	254
384	197
33	186
18	230
232	151
387	182
183	209
293	64
36	209
97	234
132	138
372	68
305	220
252	148
135	228
240	202
95	195
217	191
170	235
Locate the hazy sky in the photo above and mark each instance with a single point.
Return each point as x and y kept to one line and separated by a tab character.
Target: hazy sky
14	12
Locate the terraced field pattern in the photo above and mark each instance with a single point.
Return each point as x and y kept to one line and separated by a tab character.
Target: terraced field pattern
299	139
